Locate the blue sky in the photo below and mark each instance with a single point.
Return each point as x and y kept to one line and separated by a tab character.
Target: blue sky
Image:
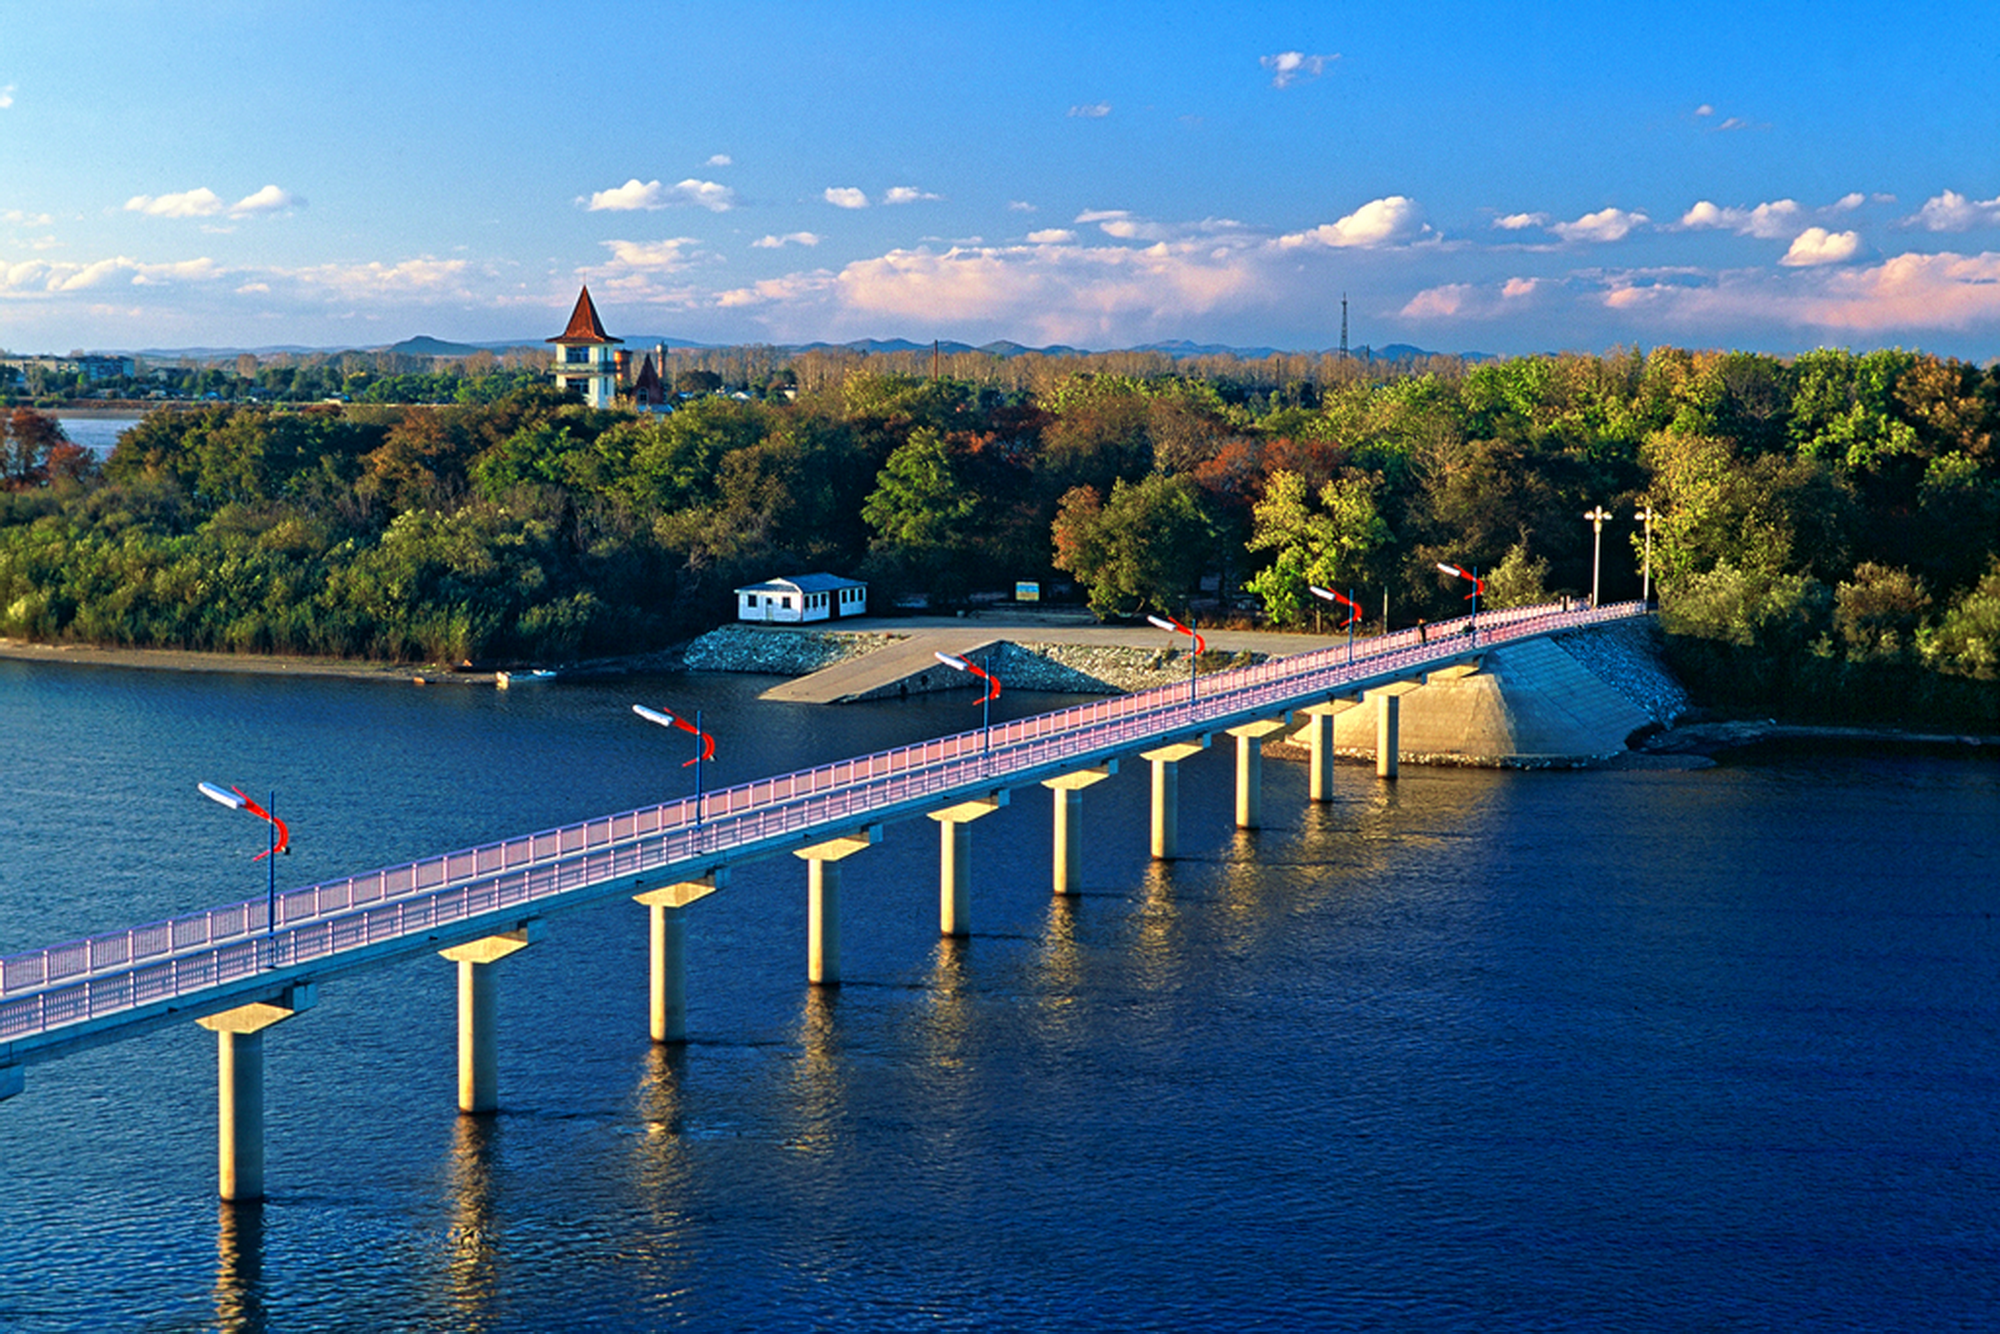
1508	178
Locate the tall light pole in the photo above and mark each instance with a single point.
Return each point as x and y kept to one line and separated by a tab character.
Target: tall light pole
1646	515
1194	658
1478	587
704	743
1346	600
280	842
1597	516
958	664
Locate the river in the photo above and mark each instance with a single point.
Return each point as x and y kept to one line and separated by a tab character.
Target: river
1554	1050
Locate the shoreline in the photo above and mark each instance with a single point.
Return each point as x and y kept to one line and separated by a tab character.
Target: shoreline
1691	741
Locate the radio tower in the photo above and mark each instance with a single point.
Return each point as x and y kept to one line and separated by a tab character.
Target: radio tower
1343	326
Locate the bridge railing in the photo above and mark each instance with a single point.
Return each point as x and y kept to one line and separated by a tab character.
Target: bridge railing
750	812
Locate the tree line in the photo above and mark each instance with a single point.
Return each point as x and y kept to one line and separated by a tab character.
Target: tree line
1829	522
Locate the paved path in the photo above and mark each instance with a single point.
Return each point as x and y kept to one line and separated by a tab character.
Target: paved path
930	635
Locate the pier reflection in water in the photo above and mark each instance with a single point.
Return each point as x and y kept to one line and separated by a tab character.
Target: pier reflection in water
1589	1050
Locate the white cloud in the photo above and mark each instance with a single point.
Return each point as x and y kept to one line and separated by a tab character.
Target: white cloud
668	256
789	238
720	160
200	203
1816	245
1771	222
1288	67
1847	203
1052	236
270	199
846	196
1953	212
709	195
1516	288
1438	302
907	194
1515	222
43	276
1379	222
375	279
1906	294
1091	110
23	219
6	97
634	194
1020	206
1704	110
1607	224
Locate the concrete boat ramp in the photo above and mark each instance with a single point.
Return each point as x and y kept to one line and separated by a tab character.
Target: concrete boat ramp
906	667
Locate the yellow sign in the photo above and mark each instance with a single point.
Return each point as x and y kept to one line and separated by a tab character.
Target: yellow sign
1027	592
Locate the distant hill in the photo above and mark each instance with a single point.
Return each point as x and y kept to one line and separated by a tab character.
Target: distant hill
424	345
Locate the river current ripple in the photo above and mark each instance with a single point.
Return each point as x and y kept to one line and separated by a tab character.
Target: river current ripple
1677	1050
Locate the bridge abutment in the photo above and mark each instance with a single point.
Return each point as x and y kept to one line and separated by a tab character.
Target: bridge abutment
1067	790
478	1037
239	1069
667	951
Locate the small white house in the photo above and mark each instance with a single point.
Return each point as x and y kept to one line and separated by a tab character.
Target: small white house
806	597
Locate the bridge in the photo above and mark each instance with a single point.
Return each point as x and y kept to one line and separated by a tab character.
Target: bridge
244	967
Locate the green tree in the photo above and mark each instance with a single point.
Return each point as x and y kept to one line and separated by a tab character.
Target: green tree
1147	546
921	514
1328	543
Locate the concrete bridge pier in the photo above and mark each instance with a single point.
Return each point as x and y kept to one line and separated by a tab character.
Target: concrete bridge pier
823	901
1250	768
1388	733
955	855
478	1038
1068	793
1319	746
667	932
1166	762
239	1120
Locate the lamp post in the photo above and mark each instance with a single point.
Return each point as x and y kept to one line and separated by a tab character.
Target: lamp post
704	744
1353	611
1200	645
280	842
1478	587
1597	515
956	663
1646	515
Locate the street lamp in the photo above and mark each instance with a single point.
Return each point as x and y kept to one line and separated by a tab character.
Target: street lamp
1200	646
1597	516
281	842
704	748
1646	515
956	663
1478	587
1353	611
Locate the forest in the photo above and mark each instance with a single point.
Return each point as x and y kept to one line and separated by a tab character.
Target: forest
1825	533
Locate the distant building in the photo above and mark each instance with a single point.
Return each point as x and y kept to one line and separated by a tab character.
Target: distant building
649	392
807	597
584	355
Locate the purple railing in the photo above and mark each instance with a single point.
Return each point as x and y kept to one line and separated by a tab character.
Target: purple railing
105	974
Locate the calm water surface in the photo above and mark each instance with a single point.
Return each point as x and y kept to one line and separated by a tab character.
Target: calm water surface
1710	1050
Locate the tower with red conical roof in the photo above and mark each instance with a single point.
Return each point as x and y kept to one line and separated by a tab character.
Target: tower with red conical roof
584	357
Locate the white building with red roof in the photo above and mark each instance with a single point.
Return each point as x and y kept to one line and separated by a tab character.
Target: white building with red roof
584	355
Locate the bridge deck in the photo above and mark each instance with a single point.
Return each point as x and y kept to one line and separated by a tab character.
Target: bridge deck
108	986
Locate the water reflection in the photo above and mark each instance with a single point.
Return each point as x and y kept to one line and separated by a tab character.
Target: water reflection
472	1250
239	1268
1158	961
818	1079
663	1167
